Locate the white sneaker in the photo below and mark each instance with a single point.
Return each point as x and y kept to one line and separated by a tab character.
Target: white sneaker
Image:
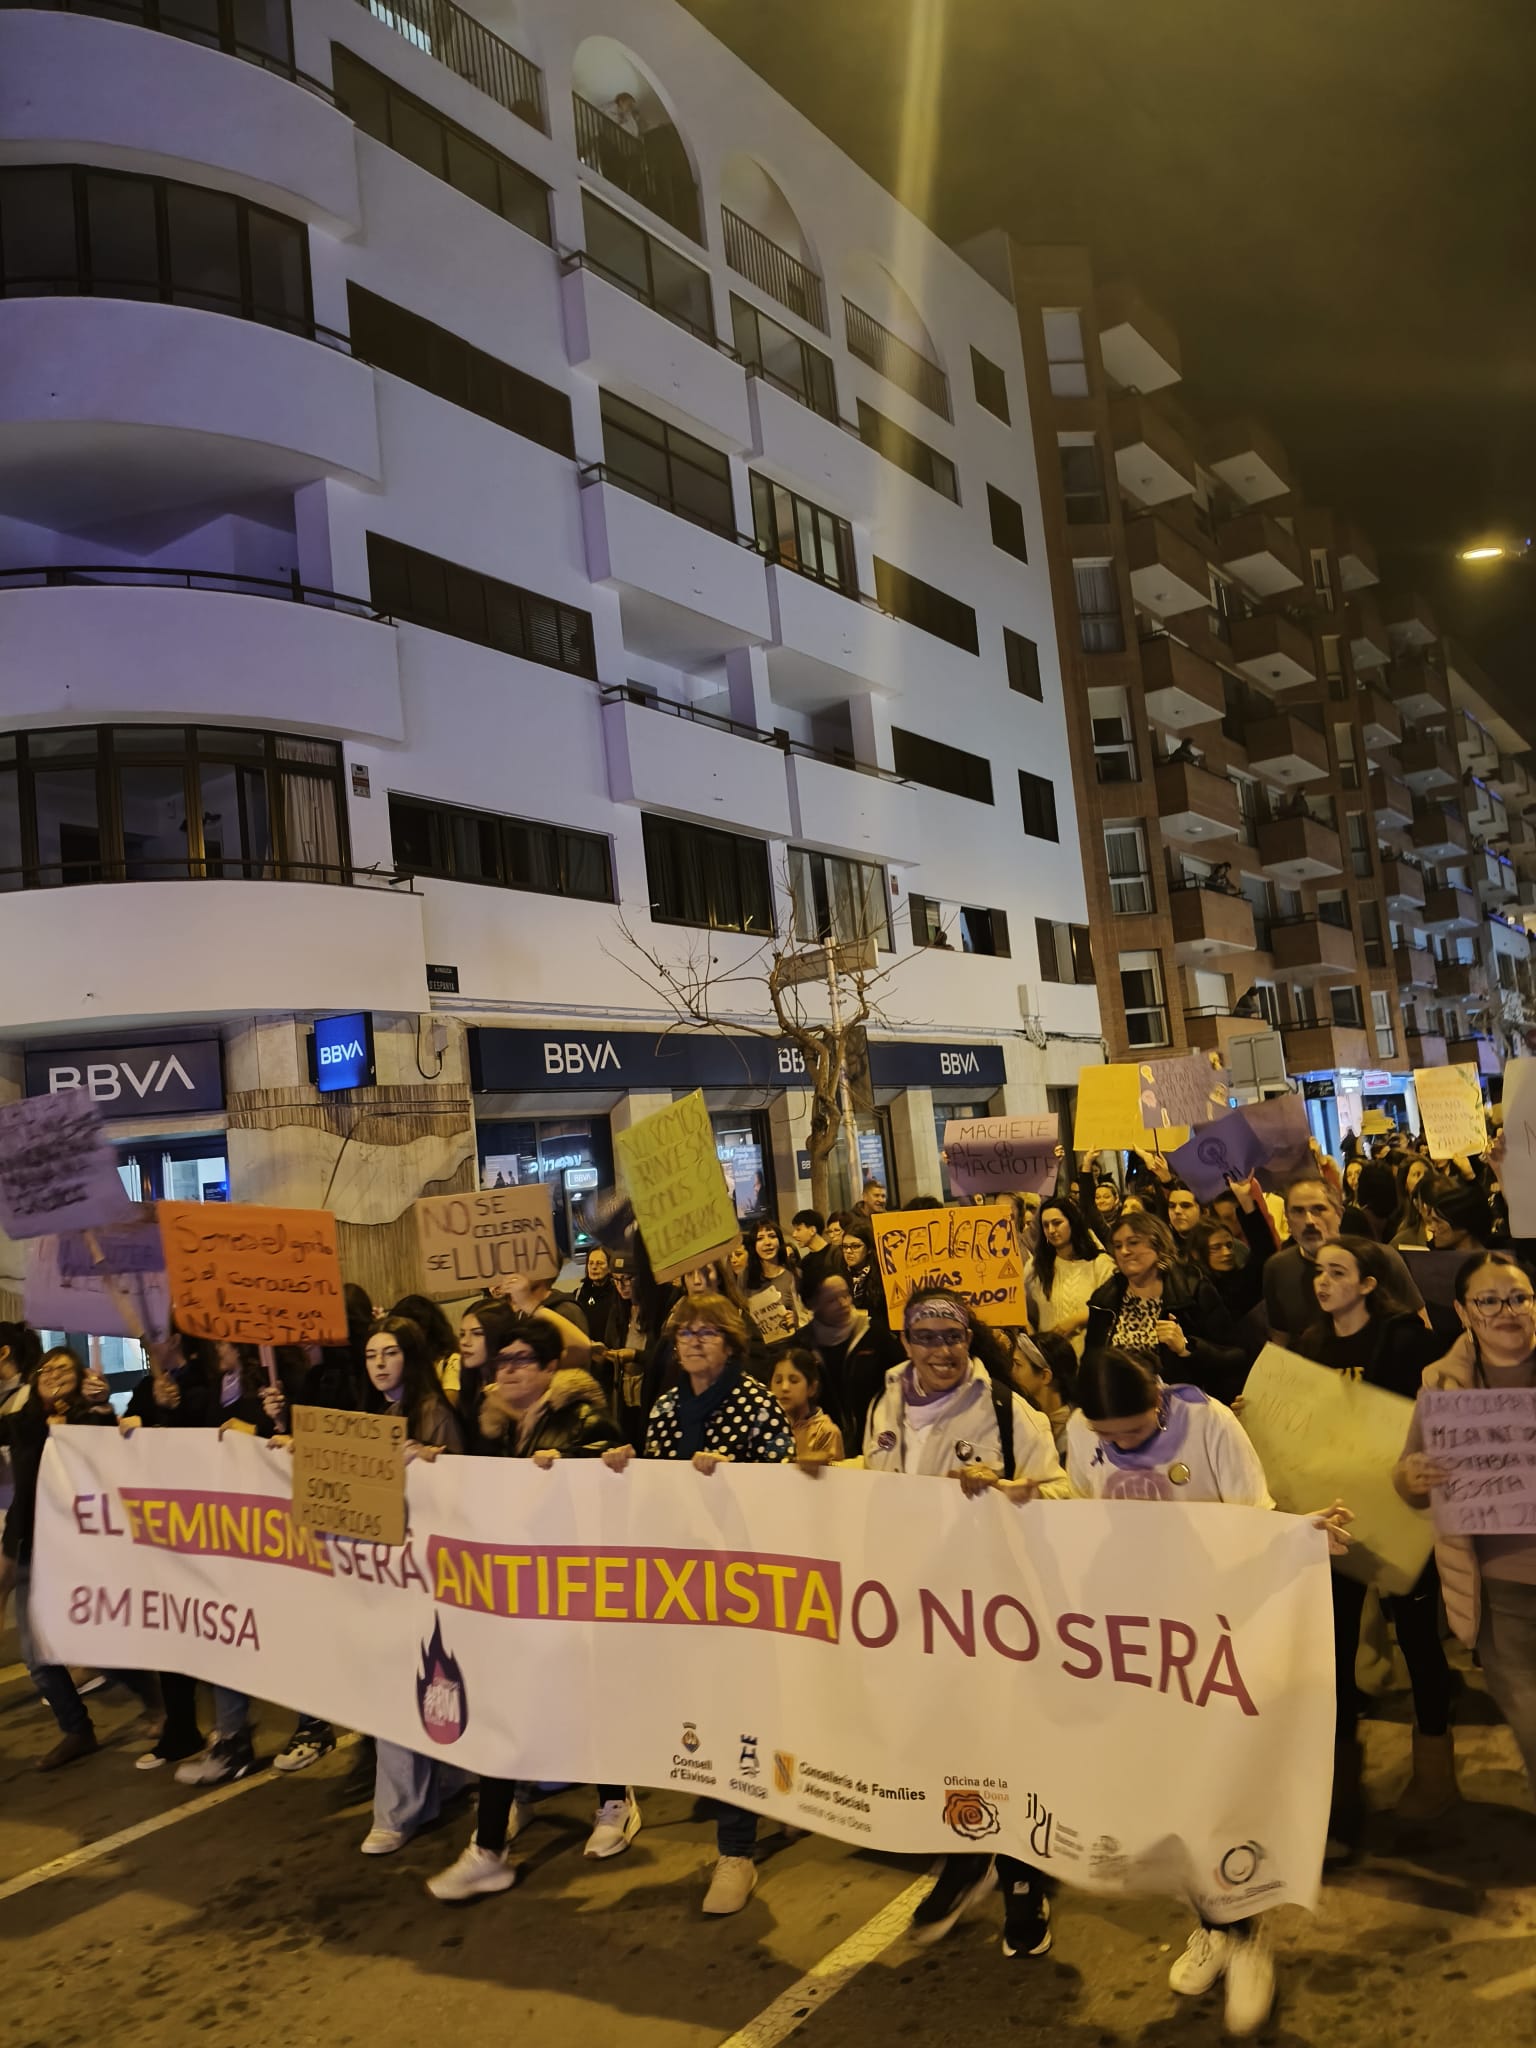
734	1882
1202	1964
522	1813
1250	1981
383	1841
616	1826
476	1871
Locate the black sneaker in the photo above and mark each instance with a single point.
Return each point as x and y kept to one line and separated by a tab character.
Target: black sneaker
1026	1921
220	1764
310	1741
958	1885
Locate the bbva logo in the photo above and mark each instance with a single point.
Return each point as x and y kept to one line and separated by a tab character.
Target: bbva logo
570	1056
338	1055
959	1063
103	1080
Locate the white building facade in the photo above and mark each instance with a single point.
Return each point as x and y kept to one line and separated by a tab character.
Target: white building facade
467	482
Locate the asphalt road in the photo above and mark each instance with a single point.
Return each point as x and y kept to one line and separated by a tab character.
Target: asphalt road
248	1917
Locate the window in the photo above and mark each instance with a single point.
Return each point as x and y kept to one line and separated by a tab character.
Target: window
1349	770
65	229
405	345
1100	621
1064	352
1266	1000
1007	516
1360	858
897	445
990	384
927	922
978	930
1382	1024
783	359
1125	859
424	590
791	530
1082	480
1224	608
1023	659
703	877
1370	933
924	605
649	270
1345	1005
1261	902
653	460
1037	797
1065	950
458	845
1141	993
149	803
845	900
1333	908
984	931
934	765
1114	747
402	122
1322	580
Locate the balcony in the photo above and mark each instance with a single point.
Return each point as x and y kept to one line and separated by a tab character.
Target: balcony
1380	719
1213	1029
1452	911
1511	779
822	640
1314	1048
1402	885
1285	749
896	360
846	807
651	167
1168	573
1180	688
1477	746
1369	643
1410	622
1274	650
1475	1051
1357	558
1426	1049
1299	849
1391	802
103	643
1417	970
668	756
637	347
686	593
1419	690
1460	980
1428	763
816	456
113	408
1259	552
1495	879
1208	923
94	91
1487	813
1192	803
463	44
1152	458
774	270
1249	460
1438	834
1311	946
1139	350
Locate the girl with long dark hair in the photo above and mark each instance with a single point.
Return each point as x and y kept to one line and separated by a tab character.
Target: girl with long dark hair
1068	1264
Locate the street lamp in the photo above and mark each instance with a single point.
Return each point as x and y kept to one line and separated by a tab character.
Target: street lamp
1495	551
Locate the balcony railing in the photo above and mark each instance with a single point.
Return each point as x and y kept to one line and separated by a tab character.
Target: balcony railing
470	50
141	577
759	259
219	29
646	699
650	167
647	294
895	359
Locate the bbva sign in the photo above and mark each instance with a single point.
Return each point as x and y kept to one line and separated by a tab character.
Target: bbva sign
177	1079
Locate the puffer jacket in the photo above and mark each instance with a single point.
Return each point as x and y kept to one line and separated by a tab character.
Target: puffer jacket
1216	1360
573	1419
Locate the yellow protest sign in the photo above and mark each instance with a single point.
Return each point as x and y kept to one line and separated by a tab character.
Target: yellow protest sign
470	1242
248	1275
1375	1123
974	1251
672	1172
1323	1437
349	1474
1109	1111
1451	1110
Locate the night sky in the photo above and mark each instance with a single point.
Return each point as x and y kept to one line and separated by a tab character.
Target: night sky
1333	200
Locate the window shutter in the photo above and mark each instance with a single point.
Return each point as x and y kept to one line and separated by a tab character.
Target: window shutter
1000	935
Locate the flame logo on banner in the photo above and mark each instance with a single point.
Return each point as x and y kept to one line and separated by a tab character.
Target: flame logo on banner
440	1696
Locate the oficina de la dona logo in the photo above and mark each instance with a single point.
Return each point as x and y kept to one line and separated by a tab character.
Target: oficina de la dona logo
440	1697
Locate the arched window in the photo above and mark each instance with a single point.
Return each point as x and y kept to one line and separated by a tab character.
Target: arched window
625	133
883	328
764	241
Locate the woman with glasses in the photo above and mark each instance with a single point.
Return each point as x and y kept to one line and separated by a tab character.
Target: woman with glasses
718	1415
1489	1582
943	1415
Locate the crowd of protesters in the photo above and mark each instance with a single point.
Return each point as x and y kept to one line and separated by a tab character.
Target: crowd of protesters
1146	1309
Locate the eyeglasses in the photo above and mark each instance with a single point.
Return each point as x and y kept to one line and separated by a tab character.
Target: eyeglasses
698	1333
1490	1304
937	1340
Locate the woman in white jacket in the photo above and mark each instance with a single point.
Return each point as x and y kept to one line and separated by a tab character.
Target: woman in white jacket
943	1415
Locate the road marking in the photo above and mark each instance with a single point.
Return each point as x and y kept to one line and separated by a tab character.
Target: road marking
11	1673
93	1852
825	1979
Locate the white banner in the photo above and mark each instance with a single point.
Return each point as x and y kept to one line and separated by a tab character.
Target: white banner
1134	1697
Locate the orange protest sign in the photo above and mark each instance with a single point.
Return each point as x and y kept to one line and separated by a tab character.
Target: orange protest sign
246	1275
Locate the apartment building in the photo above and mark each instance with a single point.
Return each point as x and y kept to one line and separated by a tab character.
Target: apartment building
1303	819
473	485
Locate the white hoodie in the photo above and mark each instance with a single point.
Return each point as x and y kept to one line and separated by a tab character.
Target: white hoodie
959	1428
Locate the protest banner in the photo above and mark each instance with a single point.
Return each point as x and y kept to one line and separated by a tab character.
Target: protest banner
1109	1117
246	1275
349	1474
673	1174
1187	1090
1321	1437
100	1283
1451	1113
470	1242
58	1171
996	1155
975	1252
1228	1149
1518	1172
1485	1437
880	1660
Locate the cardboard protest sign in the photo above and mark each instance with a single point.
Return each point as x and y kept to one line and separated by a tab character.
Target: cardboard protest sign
1433	1273
973	1251
1451	1110
1109	1116
247	1275
1322	1437
469	1242
1350	1106
57	1167
1281	1123
995	1155
1518	1174
349	1474
1229	1148
1375	1123
117	1290
1485	1437
1187	1090
675	1180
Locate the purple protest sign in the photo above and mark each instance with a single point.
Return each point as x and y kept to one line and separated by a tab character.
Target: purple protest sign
1281	1123
1484	1438
1228	1149
1186	1089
